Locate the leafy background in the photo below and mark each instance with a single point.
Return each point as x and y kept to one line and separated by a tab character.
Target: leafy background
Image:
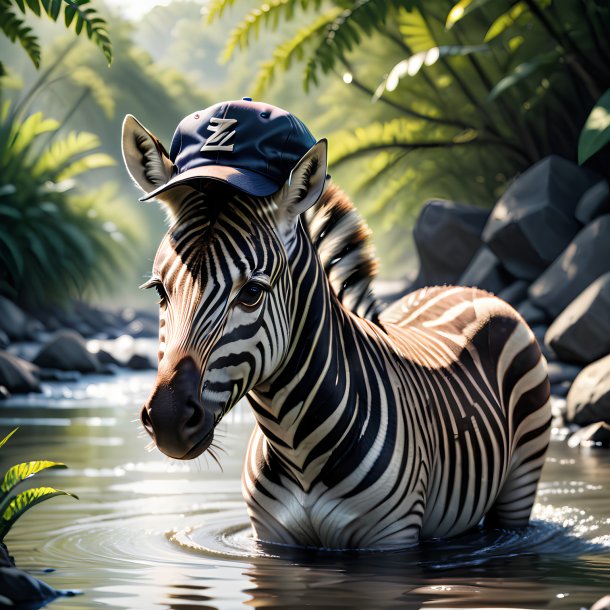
419	100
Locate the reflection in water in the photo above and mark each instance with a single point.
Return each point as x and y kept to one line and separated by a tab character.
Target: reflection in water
153	533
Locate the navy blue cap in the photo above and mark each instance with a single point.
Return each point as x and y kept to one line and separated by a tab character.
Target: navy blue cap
249	145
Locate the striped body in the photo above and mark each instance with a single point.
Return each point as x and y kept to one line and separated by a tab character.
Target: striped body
373	428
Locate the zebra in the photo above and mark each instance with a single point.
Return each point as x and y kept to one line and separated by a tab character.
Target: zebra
374	428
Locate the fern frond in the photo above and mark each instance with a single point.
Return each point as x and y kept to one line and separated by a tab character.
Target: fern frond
87	18
97	85
294	48
15	29
415	30
61	153
268	14
216	8
89	162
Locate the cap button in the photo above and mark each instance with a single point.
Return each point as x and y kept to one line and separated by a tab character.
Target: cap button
246	99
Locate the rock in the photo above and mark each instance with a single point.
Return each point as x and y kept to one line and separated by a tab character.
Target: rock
57	375
142	327
67	351
560	371
534	220
515	293
582	262
18	375
4	392
447	236
589	397
594	202
560	389
486	272
23	590
532	314
4	340
139	363
15	323
581	332
601	604
594	435
539	331
105	357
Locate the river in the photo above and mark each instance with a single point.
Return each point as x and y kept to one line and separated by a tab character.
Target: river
153	533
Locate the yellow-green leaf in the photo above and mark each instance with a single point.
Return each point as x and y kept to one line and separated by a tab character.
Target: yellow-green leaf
595	135
3	441
20	472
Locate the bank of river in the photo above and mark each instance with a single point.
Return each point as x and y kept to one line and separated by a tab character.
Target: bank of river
151	533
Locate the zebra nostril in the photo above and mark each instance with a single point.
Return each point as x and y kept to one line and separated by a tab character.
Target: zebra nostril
147	422
197	416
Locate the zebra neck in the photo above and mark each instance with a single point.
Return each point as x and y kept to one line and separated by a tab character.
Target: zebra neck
314	407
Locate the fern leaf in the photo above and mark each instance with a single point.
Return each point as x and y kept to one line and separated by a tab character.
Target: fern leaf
54	159
23	135
88	18
8	436
286	52
18	473
95	161
101	93
16	30
216	8
461	9
25	501
505	21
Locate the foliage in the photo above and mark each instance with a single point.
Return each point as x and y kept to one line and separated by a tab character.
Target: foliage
596	132
13	505
77	13
54	241
459	96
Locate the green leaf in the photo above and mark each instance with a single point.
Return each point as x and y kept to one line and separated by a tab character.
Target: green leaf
595	135
5	439
20	472
461	9
505	21
24	501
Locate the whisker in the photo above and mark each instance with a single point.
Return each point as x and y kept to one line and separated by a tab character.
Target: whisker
213	455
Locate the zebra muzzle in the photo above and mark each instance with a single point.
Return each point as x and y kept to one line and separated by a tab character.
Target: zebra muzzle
174	415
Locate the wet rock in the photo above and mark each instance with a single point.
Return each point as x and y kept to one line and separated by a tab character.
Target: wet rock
4	392
139	363
515	293
601	604
531	314
589	397
561	371
581	263
581	332
57	375
143	327
105	357
594	435
67	351
18	375
534	220
23	590
560	389
486	272
594	202
4	340
447	235
539	331
16	324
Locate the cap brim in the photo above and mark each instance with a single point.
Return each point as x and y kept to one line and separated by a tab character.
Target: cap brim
243	180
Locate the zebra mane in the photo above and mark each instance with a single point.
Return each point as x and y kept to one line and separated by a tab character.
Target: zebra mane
343	241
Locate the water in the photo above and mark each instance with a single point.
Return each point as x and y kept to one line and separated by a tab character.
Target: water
153	533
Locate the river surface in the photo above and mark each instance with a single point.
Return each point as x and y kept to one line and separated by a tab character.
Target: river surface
153	533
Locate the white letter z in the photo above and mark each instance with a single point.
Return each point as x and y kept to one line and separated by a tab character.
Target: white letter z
219	138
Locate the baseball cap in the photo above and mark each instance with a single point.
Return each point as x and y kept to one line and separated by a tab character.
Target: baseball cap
251	146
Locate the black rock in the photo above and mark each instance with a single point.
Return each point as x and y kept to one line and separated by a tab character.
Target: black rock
139	363
16	324
539	331
559	372
18	375
601	604
4	392
581	332
589	397
143	327
57	375
486	272
581	263
531	314
105	357
516	293
67	351
4	340
447	236
594	202
534	220
560	389
594	435
23	590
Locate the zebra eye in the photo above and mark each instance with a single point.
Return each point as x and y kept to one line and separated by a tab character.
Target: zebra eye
251	294
157	284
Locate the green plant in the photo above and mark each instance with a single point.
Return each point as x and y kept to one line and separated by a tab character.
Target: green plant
438	98
55	241
13	505
596	132
75	12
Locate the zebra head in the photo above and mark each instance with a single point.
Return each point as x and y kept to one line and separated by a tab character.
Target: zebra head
223	276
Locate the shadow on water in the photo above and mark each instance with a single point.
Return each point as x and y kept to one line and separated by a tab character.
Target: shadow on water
151	533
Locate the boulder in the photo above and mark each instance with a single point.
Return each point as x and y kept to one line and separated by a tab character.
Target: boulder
4	340
581	332
22	590
532	314
67	351
447	236
595	435
559	372
516	293
594	202
139	363
582	262
486	272
589	397
18	375
534	220
105	357
539	331
17	325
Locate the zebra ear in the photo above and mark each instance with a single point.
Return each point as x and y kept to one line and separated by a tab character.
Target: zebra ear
145	157
304	186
